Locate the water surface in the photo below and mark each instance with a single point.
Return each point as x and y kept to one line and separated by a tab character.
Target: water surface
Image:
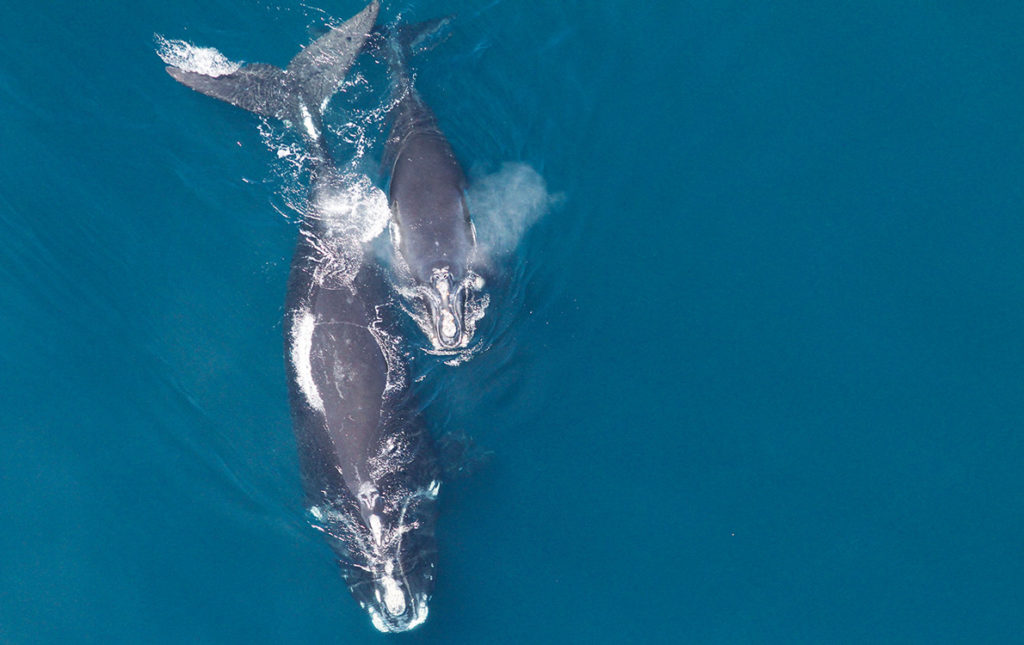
755	374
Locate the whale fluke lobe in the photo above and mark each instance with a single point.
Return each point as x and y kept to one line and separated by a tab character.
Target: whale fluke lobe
423	36
259	88
302	90
320	68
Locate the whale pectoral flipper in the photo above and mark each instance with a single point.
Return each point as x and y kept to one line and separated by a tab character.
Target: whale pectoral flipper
258	87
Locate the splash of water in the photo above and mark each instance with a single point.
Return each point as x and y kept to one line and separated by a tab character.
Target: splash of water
191	58
354	209
350	212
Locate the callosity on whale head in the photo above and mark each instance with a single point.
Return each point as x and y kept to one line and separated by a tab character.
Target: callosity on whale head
446	300
451	306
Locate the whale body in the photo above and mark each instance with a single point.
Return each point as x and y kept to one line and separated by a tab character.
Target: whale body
431	226
369	465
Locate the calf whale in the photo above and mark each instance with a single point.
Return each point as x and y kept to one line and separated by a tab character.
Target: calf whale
431	226
369	466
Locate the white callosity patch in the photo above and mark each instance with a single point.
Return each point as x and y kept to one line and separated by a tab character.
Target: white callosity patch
376	543
474	308
396	235
394	599
302	346
375	527
421	611
448	327
201	60
506	204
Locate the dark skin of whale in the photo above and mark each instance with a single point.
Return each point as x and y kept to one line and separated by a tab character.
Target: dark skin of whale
426	192
362	449
369	466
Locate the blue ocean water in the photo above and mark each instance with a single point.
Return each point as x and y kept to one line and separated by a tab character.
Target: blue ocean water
759	375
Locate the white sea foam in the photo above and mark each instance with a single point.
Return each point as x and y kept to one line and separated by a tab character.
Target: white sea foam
354	209
191	58
351	212
504	205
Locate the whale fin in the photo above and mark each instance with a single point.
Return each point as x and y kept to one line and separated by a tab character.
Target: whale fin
402	42
320	68
424	36
460	456
312	77
258	88
396	45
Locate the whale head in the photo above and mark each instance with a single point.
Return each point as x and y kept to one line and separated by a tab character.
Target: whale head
399	599
399	579
389	556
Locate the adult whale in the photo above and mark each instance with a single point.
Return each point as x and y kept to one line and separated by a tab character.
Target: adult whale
369	466
431	226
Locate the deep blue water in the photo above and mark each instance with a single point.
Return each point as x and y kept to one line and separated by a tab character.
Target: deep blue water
762	372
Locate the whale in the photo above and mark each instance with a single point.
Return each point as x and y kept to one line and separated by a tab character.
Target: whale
369	465
431	228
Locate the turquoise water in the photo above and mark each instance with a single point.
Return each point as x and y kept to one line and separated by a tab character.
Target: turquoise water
757	373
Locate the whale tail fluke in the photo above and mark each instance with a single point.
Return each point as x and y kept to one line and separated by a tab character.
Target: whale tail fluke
301	91
399	44
424	36
320	68
396	45
257	87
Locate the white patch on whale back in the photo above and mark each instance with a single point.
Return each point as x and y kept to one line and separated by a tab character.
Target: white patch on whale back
375	528
302	346
307	122
186	56
390	347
